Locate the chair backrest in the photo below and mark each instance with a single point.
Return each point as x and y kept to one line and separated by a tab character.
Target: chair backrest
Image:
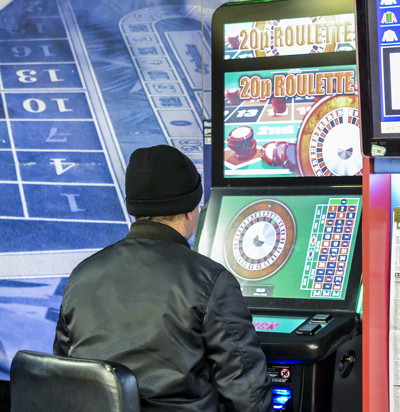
47	383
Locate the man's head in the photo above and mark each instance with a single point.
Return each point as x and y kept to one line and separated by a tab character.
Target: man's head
161	181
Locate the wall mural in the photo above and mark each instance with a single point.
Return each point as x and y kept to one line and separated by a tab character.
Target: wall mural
82	85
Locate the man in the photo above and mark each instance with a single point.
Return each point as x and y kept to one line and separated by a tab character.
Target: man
176	318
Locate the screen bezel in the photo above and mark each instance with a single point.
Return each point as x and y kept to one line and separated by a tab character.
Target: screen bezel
369	84
348	304
245	12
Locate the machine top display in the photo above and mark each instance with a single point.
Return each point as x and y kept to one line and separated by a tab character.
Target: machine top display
285	94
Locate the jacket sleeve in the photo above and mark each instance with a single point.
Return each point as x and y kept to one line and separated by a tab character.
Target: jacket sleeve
61	341
238	365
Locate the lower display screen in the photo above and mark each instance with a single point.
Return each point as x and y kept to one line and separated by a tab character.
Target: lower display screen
296	247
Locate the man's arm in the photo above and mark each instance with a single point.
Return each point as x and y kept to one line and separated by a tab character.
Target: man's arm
61	341
237	362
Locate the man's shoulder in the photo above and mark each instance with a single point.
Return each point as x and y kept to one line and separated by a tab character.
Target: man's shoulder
208	261
204	261
97	258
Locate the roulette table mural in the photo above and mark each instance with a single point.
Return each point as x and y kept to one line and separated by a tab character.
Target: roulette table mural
83	84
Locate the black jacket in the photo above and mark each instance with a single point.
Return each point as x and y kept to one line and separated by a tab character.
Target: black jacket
173	316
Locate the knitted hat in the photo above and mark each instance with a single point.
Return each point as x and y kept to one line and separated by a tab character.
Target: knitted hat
161	181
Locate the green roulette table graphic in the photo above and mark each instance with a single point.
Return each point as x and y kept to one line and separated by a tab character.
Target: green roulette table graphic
298	246
260	239
300	122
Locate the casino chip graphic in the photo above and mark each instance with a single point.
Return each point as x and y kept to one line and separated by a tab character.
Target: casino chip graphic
260	239
329	140
241	141
282	154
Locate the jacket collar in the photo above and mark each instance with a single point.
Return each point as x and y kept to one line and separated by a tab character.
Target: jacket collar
155	230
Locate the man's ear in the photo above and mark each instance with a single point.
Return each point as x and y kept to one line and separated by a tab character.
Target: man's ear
194	213
189	215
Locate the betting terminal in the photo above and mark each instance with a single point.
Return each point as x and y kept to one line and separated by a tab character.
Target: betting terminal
284	212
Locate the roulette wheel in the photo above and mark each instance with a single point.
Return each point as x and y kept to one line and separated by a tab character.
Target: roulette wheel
329	139
260	239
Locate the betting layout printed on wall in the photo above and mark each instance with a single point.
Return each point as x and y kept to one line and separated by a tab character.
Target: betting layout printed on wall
79	92
166	48
59	169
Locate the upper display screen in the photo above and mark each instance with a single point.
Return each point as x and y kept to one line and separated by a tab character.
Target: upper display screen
286	37
285	93
294	122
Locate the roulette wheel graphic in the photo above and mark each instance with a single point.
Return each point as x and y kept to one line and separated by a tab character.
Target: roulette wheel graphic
329	139
260	239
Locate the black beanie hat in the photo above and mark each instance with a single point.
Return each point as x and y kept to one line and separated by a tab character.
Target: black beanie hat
161	181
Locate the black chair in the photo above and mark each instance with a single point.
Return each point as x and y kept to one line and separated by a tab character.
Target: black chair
48	383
